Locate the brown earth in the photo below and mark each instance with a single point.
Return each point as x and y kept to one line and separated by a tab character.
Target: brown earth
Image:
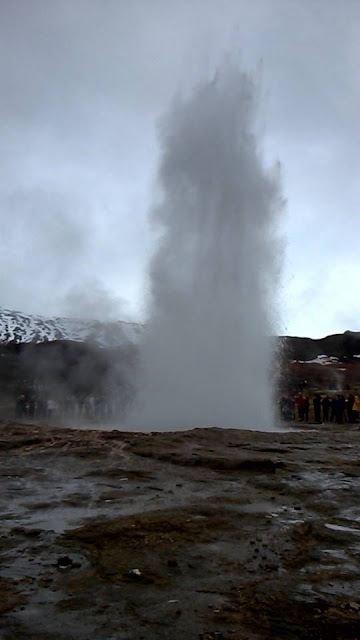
205	534
340	377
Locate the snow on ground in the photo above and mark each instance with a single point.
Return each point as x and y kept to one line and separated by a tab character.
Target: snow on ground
323	359
21	327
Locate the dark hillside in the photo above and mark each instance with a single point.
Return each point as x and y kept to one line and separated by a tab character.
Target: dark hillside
65	368
341	345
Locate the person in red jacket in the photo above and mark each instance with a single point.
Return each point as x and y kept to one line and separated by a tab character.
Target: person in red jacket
300	403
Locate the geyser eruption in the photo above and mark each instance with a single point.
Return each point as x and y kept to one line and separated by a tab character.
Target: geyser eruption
207	353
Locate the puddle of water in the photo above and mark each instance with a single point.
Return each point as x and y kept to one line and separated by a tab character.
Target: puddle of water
325	480
286	515
283	520
342	588
352	514
257	507
299	521
338	554
338	527
59	520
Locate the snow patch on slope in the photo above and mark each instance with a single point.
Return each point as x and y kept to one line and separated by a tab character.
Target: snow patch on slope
323	360
21	327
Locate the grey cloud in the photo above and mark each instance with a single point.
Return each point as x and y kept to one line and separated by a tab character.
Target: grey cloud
82	84
42	244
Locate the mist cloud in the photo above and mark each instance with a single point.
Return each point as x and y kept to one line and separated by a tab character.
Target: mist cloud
206	352
91	300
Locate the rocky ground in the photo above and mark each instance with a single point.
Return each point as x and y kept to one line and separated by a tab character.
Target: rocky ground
207	534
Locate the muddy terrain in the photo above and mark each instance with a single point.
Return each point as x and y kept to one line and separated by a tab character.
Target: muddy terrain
206	534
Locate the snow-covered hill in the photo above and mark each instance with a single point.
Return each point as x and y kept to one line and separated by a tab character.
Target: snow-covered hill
22	327
323	359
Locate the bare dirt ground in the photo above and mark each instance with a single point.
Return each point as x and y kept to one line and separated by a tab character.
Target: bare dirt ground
233	534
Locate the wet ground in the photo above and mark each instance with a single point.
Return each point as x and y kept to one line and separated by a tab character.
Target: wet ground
206	534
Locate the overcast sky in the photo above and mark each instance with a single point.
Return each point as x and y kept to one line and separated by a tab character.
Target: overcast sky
83	83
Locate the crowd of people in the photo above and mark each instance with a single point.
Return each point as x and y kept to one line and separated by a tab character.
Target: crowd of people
32	404
337	408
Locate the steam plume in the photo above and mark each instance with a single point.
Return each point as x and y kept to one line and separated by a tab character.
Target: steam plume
206	354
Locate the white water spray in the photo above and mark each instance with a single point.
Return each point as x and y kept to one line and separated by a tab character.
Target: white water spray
207	353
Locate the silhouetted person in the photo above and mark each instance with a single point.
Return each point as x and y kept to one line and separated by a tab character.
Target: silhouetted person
32	407
20	406
317	408
333	409
41	408
282	405
306	409
326	402
349	407
50	408
291	409
286	408
339	408
300	403
356	407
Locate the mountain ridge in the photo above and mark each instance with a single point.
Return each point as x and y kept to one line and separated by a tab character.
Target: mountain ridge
16	326
339	345
19	327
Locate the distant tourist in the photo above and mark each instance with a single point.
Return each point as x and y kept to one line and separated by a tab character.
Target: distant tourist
41	408
317	408
287	407
20	406
306	409
333	409
356	407
339	408
300	403
326	402
349	407
51	407
32	406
